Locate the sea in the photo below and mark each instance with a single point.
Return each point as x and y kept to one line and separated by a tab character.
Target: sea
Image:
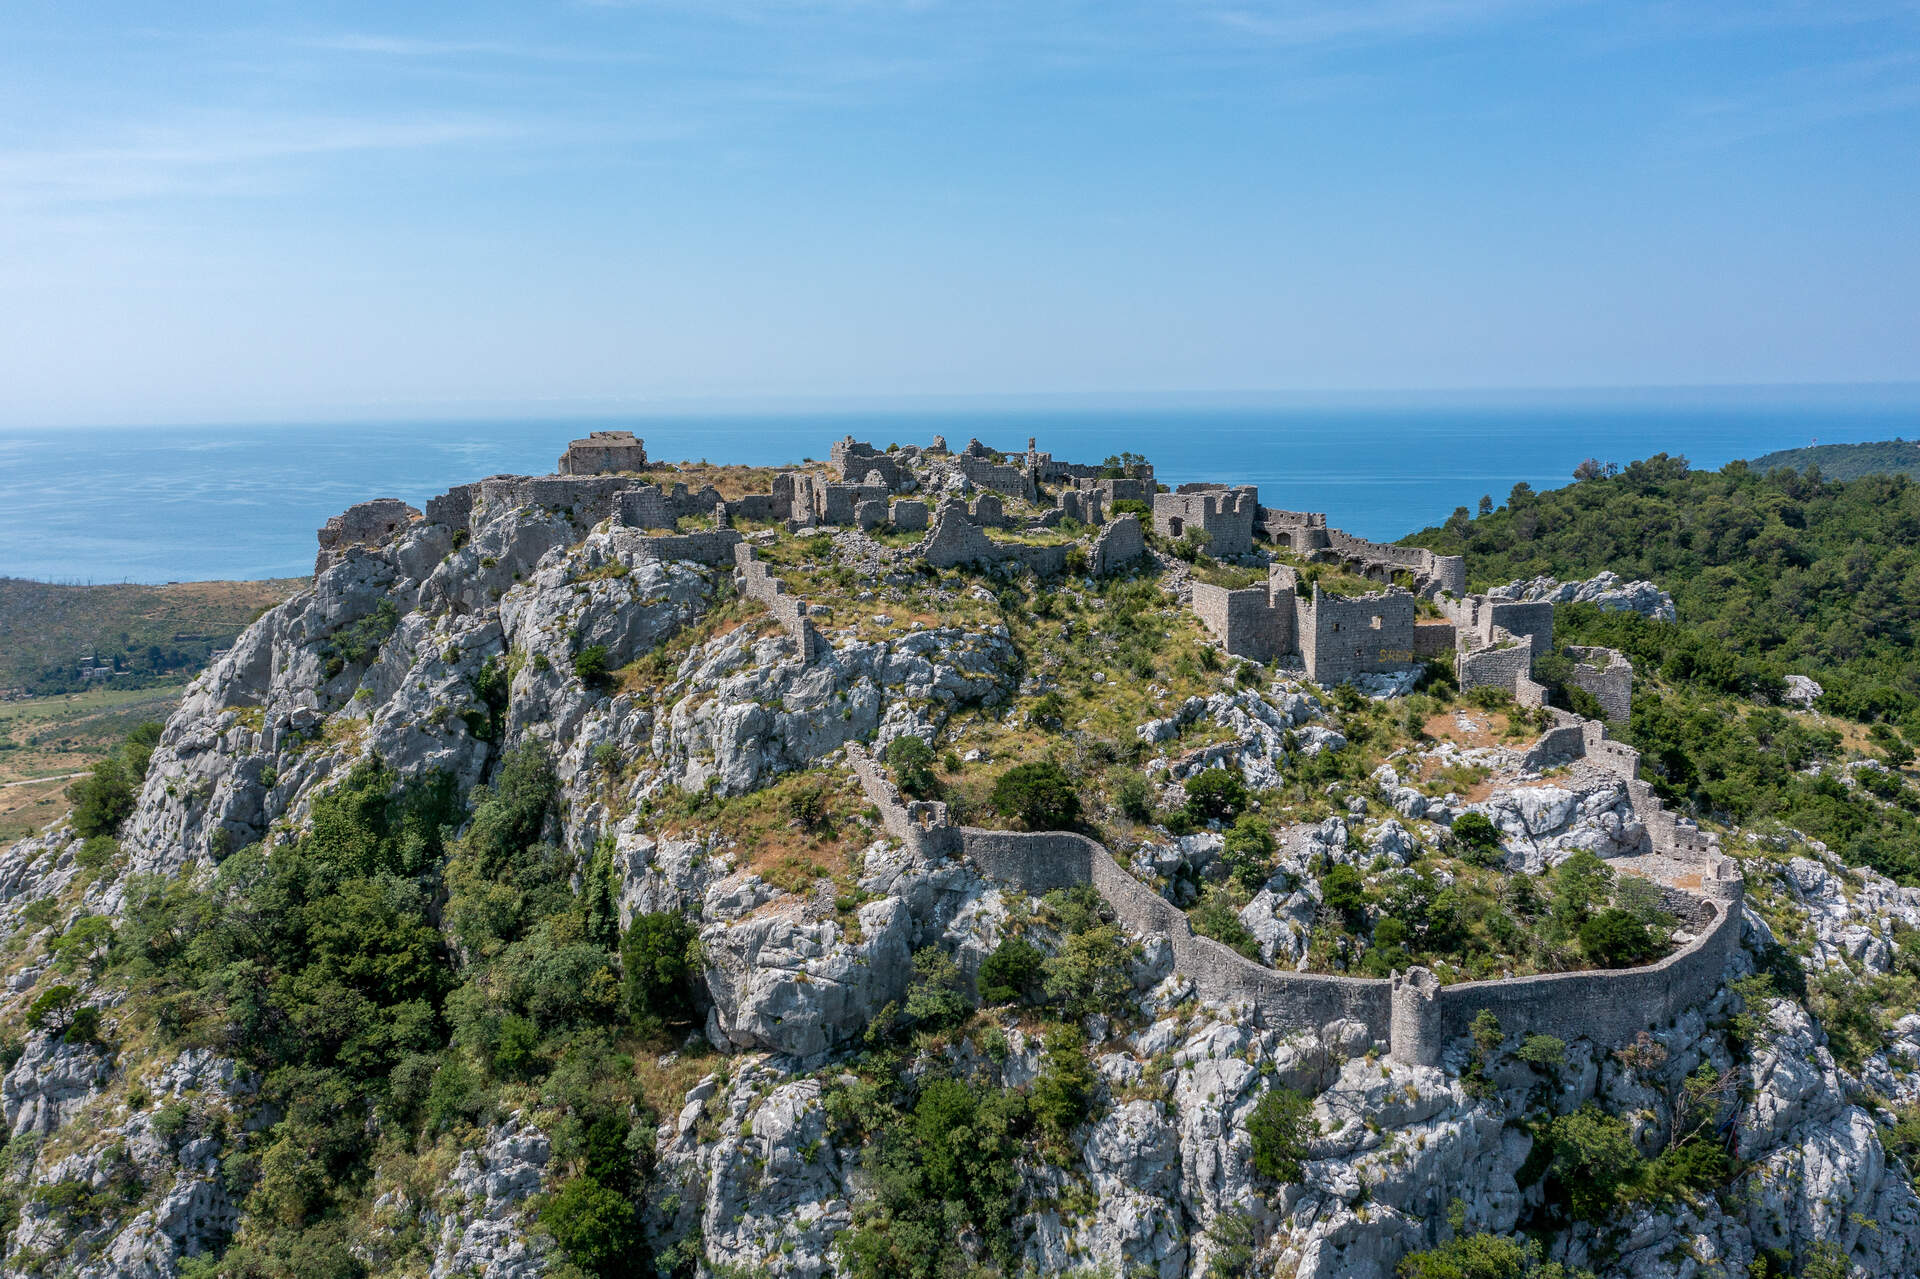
190	503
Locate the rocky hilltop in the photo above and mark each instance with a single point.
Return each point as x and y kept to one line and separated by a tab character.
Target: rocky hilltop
932	862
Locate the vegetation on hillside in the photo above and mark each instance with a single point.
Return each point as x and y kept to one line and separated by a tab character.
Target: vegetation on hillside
148	633
1847	461
1771	574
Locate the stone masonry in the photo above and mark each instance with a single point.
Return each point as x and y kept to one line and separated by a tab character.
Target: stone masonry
604	453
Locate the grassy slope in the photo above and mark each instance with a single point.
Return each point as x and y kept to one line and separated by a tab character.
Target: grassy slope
43	628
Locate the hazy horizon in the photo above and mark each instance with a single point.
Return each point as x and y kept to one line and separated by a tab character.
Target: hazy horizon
245	214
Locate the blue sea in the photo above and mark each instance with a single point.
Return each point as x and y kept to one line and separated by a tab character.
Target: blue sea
185	503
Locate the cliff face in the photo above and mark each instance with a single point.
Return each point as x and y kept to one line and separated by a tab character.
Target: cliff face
775	1150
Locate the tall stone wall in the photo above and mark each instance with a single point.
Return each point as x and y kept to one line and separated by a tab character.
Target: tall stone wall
1503	664
1341	637
453	508
955	540
1608	675
1014	481
1432	638
1226	515
652	506
1120	545
1532	619
852	461
757	583
1255	622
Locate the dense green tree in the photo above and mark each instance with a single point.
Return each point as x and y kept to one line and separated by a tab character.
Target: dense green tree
1038	793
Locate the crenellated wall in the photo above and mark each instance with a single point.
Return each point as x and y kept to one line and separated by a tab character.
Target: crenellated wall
1226	515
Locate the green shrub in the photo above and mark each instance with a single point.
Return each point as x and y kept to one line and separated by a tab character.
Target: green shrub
1615	939
1593	1159
1090	973
590	666
1281	1127
937	994
1248	851
1039	794
1134	797
1477	838
1343	889
596	1226
1215	794
1011	973
656	957
1066	1083
1216	917
911	760
1482	1256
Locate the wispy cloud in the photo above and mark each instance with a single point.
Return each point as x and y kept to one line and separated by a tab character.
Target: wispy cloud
219	156
1297	23
1804	98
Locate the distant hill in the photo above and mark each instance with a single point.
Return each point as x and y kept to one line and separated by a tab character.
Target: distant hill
150	633
1848	461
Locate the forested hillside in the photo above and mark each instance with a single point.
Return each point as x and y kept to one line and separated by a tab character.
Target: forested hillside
1771	573
1847	461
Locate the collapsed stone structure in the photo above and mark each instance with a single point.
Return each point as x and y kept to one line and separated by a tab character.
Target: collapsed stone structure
363	524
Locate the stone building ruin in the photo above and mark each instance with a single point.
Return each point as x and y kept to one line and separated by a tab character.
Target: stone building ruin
604	453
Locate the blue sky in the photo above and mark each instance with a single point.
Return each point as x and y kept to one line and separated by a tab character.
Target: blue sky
279	210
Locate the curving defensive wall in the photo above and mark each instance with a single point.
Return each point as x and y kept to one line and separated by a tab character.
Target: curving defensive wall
1412	1012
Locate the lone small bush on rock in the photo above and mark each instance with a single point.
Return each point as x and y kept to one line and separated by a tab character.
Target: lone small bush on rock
911	760
1280	1127
1215	794
1039	794
590	665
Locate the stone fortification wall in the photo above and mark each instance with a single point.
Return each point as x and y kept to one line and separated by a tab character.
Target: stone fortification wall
1432	638
712	547
1127	488
362	524
1533	620
1014	481
1342	636
908	515
1608	1006
1415	1015
1256	622
852	461
1121	543
1303	532
757	583
1608	675
820	501
760	507
453	508
1225	514
1085	505
651	506
1431	573
604	453
1501	664
587	498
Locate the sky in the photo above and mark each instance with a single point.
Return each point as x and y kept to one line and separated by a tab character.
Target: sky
272	210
